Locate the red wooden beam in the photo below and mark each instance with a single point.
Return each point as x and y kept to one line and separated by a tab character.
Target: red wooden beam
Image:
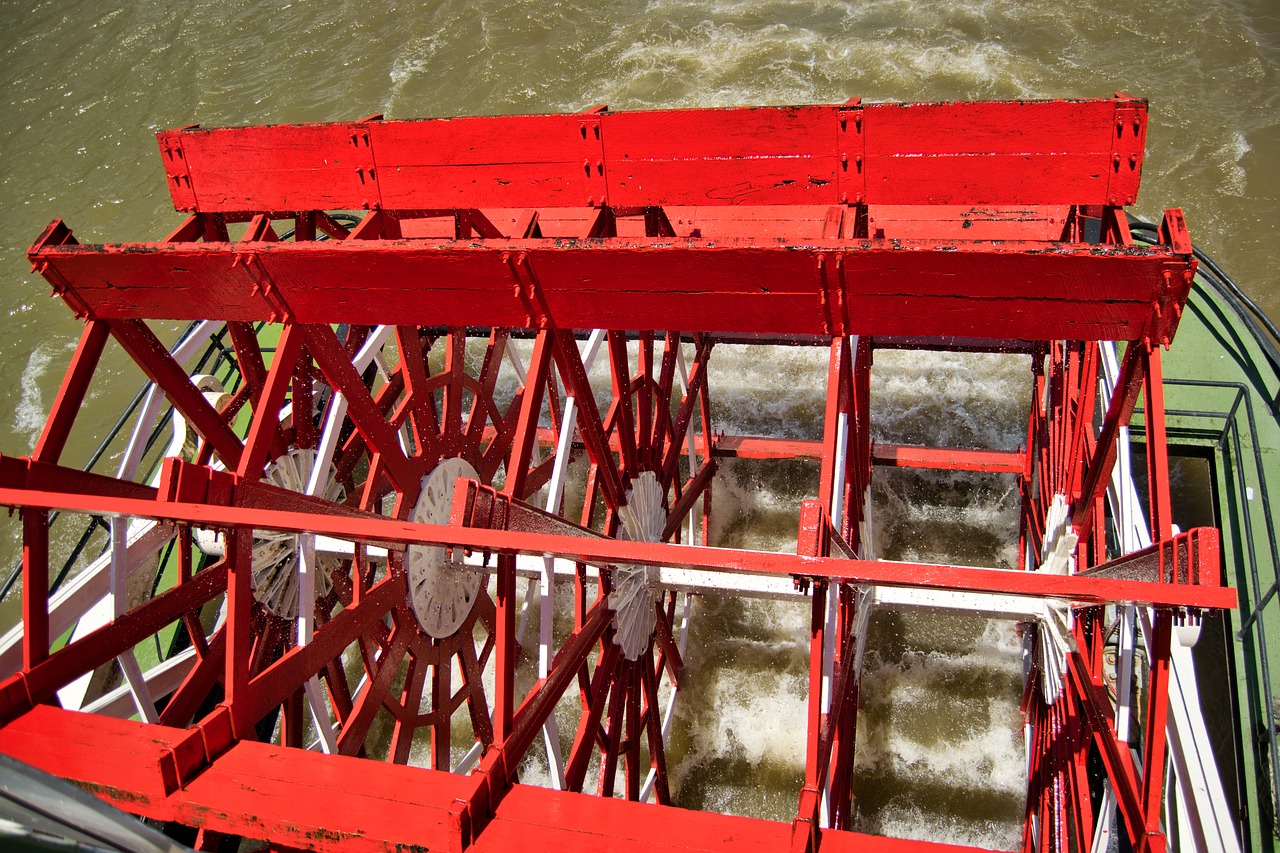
153	357
949	458
977	289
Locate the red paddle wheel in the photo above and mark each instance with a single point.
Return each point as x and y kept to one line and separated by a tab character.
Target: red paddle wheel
482	376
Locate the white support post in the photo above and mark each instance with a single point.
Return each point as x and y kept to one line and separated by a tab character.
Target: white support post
306	631
119	604
833	598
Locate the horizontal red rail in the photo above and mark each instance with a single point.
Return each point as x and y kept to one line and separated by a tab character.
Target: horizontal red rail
1035	291
887	455
1013	152
949	458
604	551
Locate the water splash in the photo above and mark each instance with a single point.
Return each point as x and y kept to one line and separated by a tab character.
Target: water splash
29	414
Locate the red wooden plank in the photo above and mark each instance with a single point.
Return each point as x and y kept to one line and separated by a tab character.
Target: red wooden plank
967	222
290	167
322	802
326	802
538	819
512	161
982	290
566	820
117	759
758	156
1030	152
1012	152
283	795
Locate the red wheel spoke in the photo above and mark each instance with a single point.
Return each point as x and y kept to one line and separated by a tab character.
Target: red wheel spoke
364	412
154	359
644	404
613	727
455	359
569	362
476	705
695	488
249	358
410	698
663	425
633	728
352	737
585	739
670	659
413	367
624	424
441	699
527	420
653	728
207	672
488	381
684	417
304	427
263	439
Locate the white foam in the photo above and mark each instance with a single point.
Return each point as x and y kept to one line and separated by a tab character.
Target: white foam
902	736
1232	152
29	414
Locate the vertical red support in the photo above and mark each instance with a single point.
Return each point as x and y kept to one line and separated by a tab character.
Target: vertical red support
837	404
441	693
623	423
35	586
517	473
804	829
1157	454
844	710
1025	479
1086	399
1154	741
1133	370
239	628
644	402
860	424
504	680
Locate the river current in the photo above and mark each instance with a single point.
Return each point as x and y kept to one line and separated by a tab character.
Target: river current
83	88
